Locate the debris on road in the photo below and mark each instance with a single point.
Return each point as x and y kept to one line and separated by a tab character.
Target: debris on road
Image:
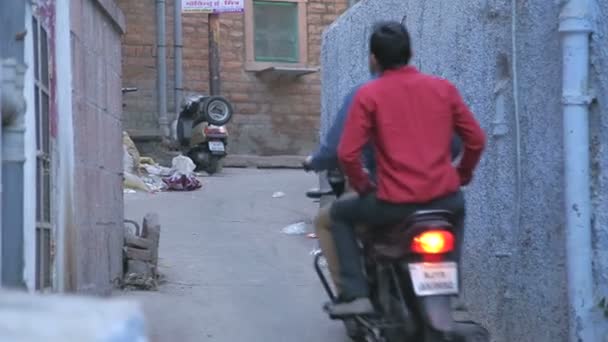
140	253
299	228
182	176
278	194
134	182
144	174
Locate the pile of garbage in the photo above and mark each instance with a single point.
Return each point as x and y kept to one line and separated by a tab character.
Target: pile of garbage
144	174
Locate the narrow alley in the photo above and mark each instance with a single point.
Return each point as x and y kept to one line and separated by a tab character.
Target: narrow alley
231	274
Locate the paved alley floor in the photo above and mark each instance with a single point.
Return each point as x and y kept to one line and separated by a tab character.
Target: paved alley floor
231	274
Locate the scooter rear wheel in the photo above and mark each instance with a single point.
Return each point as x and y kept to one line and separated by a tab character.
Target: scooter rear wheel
214	165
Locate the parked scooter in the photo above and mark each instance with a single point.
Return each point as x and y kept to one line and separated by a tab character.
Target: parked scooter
413	273
200	132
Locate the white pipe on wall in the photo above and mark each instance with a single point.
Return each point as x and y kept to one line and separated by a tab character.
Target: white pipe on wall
575	28
65	142
178	45
29	168
161	67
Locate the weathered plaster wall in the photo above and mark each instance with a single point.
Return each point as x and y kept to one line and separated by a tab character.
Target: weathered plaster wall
513	266
96	28
599	150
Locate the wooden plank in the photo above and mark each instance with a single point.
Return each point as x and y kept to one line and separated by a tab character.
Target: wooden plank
151	231
138	242
138	254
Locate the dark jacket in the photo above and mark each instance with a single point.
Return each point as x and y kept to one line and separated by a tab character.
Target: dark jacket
326	156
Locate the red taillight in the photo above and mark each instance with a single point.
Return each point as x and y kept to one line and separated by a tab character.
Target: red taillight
215	130
433	242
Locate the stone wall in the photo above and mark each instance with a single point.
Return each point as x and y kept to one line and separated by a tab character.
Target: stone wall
271	117
514	256
97	26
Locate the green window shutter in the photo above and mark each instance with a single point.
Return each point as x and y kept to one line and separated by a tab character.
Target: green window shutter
276	33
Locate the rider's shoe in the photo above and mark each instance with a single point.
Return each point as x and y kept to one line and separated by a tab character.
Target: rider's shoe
353	307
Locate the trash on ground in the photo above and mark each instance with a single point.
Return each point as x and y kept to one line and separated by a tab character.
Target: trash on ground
146	160
132	181
311	236
182	165
296	229
155	169
154	183
278	194
129	191
131	155
182	176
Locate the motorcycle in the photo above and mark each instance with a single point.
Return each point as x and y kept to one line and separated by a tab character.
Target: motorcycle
413	273
200	131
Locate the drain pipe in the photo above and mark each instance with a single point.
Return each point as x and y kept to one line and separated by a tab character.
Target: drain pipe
575	29
161	68
178	46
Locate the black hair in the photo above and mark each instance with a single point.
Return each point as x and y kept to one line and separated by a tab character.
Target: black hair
390	45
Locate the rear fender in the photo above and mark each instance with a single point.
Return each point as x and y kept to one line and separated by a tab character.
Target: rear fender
436	312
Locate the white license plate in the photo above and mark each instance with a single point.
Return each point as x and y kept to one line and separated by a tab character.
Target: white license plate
216	146
438	278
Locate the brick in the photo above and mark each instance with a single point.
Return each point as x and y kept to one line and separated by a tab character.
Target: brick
315	7
314	19
247	108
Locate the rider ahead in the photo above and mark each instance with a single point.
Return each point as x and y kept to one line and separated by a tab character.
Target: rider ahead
410	118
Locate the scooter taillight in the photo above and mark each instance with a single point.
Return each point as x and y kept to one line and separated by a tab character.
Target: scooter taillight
435	241
215	130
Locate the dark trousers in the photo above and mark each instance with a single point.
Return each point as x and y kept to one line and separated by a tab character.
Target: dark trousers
369	210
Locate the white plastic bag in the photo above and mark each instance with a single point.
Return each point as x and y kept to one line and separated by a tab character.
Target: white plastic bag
299	228
182	165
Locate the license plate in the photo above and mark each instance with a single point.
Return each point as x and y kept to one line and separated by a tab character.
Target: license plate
216	146
430	279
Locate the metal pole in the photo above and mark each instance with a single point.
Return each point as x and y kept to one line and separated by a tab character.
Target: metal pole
178	45
214	54
161	68
575	28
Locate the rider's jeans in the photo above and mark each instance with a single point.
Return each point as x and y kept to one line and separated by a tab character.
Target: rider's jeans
369	210
323	224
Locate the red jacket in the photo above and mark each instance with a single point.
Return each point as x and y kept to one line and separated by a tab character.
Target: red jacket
410	118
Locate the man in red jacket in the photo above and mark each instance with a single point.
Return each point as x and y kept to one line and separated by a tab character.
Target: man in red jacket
410	118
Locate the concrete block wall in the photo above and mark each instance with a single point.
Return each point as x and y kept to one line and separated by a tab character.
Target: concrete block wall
97	26
514	255
271	117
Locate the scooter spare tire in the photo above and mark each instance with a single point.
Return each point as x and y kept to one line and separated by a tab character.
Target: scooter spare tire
217	110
